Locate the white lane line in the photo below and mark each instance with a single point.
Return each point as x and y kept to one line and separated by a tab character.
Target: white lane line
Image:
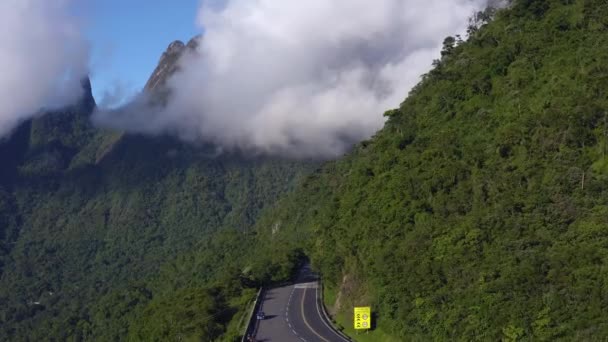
287	316
323	318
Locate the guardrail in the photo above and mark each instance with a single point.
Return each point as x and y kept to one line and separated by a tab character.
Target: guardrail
326	317
252	325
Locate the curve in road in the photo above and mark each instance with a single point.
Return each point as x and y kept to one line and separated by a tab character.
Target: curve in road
293	313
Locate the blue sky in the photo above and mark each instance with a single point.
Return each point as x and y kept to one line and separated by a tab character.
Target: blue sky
128	37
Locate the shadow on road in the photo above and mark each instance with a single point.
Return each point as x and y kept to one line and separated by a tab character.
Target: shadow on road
305	276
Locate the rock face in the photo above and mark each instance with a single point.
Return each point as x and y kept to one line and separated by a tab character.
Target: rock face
65	138
194	42
169	64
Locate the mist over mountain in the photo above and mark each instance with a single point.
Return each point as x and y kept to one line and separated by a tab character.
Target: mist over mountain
101	229
297	78
43	57
476	210
480	211
268	77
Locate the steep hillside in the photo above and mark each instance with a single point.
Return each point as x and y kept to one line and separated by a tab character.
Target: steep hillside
480	211
100	230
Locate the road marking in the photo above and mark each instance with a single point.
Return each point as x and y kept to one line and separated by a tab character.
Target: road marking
304	318
323	318
287	317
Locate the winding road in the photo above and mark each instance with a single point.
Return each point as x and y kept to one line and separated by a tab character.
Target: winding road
293	313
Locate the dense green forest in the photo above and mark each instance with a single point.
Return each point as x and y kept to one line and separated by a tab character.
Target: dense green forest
480	211
106	236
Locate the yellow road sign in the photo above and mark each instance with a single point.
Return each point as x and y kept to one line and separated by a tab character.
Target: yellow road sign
363	318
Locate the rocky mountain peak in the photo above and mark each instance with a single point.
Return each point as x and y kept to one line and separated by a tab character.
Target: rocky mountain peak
175	47
168	64
87	100
194	42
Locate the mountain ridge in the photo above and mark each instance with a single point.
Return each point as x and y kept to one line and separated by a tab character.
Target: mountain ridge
479	211
168	63
100	229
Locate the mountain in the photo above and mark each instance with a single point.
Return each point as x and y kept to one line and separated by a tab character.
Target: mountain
479	212
169	63
103	235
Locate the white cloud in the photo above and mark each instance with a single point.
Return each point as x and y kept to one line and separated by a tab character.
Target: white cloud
42	57
305	78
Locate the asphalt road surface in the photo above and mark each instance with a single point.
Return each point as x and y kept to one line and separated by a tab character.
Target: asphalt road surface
293	314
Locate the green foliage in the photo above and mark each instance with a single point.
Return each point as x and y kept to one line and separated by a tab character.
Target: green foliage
188	315
100	232
479	212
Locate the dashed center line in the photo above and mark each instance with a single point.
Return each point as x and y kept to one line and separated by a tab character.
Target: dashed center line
292	324
287	316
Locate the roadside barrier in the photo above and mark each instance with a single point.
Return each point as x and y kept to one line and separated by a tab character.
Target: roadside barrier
321	304
252	325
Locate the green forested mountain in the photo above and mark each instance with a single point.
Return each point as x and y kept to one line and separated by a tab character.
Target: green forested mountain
106	236
480	211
